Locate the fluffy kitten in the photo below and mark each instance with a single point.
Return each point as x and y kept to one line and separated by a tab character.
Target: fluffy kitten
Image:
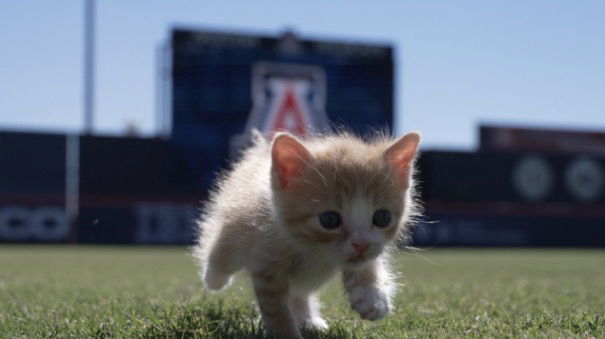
295	212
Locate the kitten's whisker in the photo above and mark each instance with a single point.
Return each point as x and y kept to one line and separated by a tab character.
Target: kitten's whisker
386	178
415	251
307	181
398	284
321	176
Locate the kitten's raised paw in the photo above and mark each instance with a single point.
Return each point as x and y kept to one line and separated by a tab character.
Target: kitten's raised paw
371	302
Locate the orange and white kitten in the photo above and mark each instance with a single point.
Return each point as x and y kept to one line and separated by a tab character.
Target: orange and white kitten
295	212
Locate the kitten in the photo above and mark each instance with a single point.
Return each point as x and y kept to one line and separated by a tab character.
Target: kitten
295	212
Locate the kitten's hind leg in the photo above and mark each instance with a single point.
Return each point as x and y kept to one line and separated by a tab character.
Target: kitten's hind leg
305	308
272	297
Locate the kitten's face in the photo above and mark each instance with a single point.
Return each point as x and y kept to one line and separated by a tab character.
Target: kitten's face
357	225
343	202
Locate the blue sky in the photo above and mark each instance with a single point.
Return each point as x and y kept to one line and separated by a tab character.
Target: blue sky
460	63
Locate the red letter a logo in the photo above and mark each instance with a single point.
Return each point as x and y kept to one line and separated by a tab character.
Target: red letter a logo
289	116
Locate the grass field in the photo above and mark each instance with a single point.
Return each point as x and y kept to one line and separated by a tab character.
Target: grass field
70	291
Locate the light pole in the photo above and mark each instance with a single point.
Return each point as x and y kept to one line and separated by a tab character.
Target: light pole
72	141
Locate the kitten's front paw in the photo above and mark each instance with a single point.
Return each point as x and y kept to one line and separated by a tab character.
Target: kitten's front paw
316	324
370	302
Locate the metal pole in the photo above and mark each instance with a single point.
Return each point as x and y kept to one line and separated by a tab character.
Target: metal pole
89	58
72	141
72	183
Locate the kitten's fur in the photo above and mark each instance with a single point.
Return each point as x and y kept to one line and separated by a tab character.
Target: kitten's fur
264	217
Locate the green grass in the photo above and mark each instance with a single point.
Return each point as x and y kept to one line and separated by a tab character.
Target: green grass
67	291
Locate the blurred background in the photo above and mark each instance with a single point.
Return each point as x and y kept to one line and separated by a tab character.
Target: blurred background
116	116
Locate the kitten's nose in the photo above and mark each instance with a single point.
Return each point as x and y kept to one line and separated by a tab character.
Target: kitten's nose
361	247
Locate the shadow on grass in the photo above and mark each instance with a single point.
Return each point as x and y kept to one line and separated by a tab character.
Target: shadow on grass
218	320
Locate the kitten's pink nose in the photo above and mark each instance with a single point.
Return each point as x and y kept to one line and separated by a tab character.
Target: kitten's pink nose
361	247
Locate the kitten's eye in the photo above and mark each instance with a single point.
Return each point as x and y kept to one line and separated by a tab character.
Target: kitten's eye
381	218
329	220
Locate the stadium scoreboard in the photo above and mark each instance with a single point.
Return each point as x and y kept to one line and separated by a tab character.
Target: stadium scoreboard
224	85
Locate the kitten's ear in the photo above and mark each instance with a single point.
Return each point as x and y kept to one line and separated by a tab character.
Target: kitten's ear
289	158
400	156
